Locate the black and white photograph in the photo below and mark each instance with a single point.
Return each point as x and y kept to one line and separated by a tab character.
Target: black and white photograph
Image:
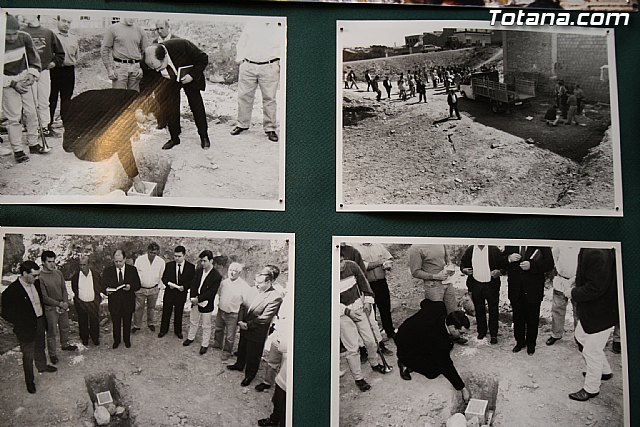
143	108
477	332
463	116
126	327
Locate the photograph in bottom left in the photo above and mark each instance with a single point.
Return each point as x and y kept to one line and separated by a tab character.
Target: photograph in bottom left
140	327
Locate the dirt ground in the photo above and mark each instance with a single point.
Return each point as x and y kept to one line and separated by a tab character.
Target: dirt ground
531	390
160	382
484	159
236	167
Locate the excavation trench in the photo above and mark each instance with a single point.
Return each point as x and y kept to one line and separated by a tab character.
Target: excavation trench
106	382
483	387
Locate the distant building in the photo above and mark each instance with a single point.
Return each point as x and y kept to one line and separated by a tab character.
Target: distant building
472	37
453	38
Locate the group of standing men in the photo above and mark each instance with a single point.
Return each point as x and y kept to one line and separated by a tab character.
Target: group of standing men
37	305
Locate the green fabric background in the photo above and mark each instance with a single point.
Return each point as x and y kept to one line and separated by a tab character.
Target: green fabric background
310	183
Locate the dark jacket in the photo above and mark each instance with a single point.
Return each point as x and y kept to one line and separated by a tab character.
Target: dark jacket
423	343
98	287
260	314
122	301
186	278
529	283
596	293
18	310
209	289
496	262
182	53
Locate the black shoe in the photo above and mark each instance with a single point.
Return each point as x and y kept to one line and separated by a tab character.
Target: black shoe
49	368
179	335
404	372
267	422
246	381
170	144
494	340
96	343
616	347
127	344
54	359
518	347
531	351
134	329
85	342
384	350
552	340
363	385
20	157
273	137
205	143
70	347
603	377
364	354
31	388
36	149
187	342
161	334
235	367
382	369
152	328
582	395
481	336
203	350
115	345
238	130
49	133
263	386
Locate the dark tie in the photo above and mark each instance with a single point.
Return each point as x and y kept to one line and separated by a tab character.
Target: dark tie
179	273
120	278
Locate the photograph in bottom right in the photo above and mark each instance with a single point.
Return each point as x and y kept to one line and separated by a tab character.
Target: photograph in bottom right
475	332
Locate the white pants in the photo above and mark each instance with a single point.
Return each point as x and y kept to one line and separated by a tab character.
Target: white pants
194	321
350	334
594	357
15	106
43	90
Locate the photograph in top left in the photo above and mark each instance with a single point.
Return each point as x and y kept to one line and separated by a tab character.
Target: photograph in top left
143	109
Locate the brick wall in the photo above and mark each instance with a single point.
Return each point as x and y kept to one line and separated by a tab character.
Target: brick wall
546	57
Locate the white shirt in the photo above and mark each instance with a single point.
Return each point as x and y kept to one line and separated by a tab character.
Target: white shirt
150	273
566	263
204	276
33	296
260	42
85	287
480	264
233	293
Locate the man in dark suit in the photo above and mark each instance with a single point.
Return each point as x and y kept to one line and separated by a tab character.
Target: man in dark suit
173	65
482	265
161	97
87	288
254	322
22	307
526	267
177	277
595	297
122	282
204	288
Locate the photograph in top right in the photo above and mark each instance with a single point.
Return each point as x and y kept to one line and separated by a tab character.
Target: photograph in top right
474	118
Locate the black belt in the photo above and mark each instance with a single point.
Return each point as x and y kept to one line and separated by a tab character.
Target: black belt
150	287
127	61
262	63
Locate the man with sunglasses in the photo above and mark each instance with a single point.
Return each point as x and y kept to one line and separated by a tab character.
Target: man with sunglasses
254	322
22	306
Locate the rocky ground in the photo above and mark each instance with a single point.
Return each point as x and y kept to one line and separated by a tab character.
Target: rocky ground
161	383
528	390
236	167
484	159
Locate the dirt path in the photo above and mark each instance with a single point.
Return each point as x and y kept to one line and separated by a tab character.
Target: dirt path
162	382
532	390
410	153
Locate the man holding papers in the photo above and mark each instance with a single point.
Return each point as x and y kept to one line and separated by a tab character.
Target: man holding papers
177	277
122	282
526	268
177	64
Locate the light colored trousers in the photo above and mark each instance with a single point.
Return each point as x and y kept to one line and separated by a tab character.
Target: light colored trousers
150	297
42	90
251	76
128	76
350	332
558	312
274	360
55	320
435	290
15	106
224	333
594	357
194	321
